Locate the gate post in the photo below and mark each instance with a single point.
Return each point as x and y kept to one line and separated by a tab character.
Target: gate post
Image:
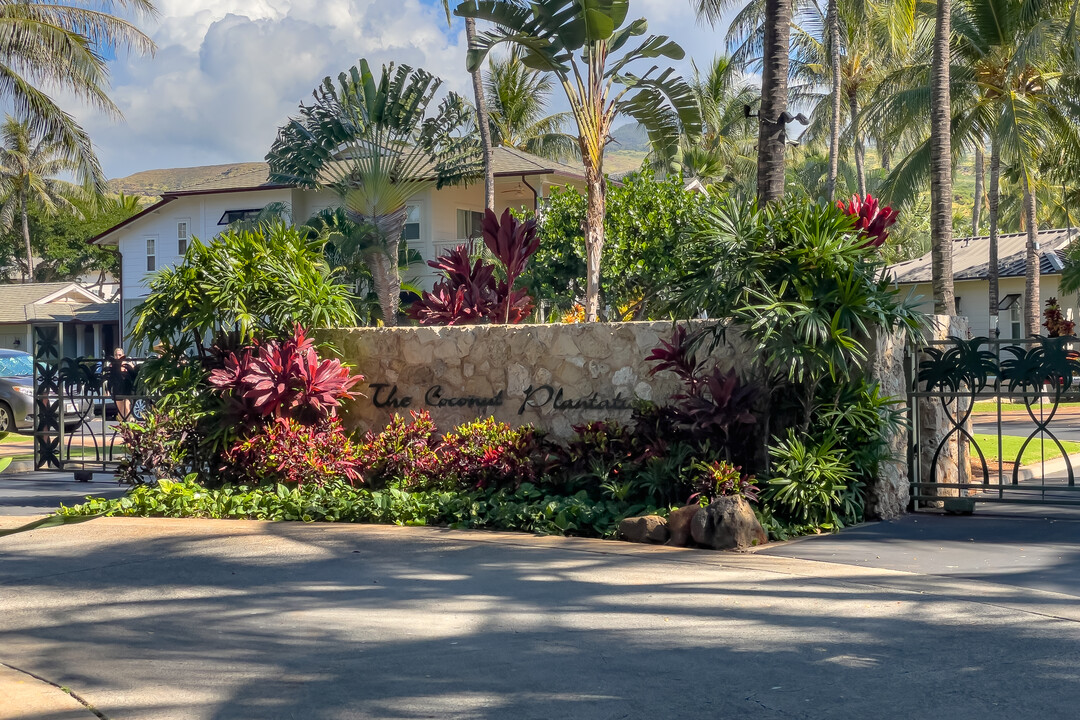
953	465
889	495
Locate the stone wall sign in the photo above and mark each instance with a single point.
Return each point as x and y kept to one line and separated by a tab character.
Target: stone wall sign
550	376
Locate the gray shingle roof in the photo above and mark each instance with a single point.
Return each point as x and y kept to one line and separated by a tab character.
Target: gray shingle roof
971	257
20	303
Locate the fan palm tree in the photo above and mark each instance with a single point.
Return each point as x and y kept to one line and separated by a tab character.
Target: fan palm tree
587	46
372	140
49	46
29	166
517	99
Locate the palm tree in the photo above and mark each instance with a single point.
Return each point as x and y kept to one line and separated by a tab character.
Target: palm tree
64	47
483	122
372	141
28	168
832	19
941	165
1004	87
517	98
773	41
722	153
585	46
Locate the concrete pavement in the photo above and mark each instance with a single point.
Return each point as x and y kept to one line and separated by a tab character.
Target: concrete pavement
40	493
215	620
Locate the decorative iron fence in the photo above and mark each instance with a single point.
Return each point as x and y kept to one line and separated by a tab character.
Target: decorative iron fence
79	404
1014	391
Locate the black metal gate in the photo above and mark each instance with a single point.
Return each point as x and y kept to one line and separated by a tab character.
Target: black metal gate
1002	408
77	408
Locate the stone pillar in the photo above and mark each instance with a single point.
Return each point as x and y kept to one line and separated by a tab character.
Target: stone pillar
953	466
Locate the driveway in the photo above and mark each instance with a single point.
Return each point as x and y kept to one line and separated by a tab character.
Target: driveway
216	620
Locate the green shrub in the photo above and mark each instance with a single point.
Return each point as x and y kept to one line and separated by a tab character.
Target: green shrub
526	508
812	484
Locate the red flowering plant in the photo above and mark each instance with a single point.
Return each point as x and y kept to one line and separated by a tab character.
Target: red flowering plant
871	220
487	453
284	379
469	292
722	479
290	452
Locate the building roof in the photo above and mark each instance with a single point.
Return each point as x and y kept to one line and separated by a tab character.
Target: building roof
971	257
61	301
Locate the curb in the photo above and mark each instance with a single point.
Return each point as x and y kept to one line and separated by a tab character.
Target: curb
26	695
1037	471
17	467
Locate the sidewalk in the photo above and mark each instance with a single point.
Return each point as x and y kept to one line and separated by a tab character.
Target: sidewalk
26	698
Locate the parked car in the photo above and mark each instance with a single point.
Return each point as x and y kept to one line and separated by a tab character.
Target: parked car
17	393
16	390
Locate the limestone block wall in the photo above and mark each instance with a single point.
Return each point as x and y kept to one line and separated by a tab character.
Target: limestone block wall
953	465
550	376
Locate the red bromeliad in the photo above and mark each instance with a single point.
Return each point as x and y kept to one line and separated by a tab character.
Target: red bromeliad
871	220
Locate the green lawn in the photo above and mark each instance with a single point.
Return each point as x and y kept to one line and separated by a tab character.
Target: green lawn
991	407
1038	449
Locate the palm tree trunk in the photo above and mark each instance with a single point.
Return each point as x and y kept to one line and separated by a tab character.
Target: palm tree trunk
1032	301
857	141
594	236
834	121
980	171
29	276
482	121
994	199
774	76
383	261
886	155
941	165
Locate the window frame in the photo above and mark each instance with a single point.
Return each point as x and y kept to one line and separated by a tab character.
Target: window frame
477	216
247	214
183	242
150	252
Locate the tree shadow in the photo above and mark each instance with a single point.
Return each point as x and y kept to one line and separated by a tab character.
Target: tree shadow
237	620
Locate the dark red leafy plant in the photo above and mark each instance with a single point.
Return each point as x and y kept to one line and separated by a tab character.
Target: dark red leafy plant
284	379
468	292
292	453
871	220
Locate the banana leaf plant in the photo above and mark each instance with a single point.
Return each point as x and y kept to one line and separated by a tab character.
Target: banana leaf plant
590	46
373	141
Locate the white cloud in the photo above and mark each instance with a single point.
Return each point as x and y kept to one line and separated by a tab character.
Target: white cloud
228	72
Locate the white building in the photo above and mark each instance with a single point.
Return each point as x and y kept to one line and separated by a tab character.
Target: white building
971	260
438	219
90	323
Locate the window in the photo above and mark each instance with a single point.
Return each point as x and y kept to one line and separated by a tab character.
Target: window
470	224
1014	321
958	306
151	254
231	216
181	237
411	231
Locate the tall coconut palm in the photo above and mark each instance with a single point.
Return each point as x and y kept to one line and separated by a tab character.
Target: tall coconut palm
1004	88
29	166
832	19
941	164
587	46
483	121
48	46
517	99
372	140
773	40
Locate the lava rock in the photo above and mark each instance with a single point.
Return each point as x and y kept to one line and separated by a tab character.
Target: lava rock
728	523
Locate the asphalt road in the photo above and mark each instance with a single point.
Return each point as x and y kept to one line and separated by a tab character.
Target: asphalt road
216	620
40	493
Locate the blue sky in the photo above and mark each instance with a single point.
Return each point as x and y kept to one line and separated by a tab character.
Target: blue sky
228	72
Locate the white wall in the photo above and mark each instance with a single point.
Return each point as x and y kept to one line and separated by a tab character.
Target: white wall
975	301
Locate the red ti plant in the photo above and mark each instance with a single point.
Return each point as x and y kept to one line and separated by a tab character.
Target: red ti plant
871	220
468	292
284	379
1056	325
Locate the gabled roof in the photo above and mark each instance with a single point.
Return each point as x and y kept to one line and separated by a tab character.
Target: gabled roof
253	177
23	302
971	257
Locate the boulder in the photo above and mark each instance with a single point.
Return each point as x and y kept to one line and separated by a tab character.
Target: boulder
679	525
728	523
649	528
